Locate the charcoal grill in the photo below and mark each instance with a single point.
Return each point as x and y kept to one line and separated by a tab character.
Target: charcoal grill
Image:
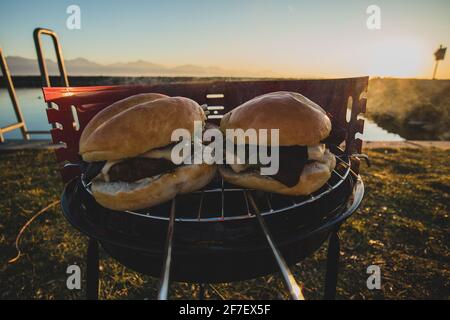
221	233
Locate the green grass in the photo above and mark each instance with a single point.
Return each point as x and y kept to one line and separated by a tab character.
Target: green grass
402	226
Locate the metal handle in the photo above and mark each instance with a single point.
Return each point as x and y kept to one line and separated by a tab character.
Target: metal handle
361	156
45	79
163	292
294	289
356	197
73	165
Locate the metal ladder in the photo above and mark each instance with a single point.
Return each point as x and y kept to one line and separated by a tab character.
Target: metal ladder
45	80
20	124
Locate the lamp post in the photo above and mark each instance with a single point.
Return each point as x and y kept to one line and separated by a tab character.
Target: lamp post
439	55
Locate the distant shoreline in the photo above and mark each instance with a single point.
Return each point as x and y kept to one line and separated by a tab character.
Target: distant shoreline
77	81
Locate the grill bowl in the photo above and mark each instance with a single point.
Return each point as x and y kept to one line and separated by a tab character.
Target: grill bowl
219	247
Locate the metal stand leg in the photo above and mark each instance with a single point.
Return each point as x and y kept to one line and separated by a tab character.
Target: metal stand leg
92	270
163	292
332	266
201	291
294	289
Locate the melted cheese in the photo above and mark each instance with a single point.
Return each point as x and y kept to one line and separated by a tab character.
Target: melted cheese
235	166
239	167
106	168
164	153
316	152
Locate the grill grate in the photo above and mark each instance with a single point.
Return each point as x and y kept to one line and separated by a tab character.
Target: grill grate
219	191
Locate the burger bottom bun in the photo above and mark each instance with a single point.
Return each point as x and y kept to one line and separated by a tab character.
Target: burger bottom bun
313	177
149	192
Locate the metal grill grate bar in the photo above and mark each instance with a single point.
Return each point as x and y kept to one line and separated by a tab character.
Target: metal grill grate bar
269	203
223	201
200	206
246	204
337	173
163	292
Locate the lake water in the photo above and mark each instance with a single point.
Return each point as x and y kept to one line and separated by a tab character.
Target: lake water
33	109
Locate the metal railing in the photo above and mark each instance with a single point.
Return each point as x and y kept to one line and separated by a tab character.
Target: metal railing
45	78
20	124
45	81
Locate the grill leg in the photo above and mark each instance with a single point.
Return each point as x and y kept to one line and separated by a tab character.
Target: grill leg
201	291
92	270
334	248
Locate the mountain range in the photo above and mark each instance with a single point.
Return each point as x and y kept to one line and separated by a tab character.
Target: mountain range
21	66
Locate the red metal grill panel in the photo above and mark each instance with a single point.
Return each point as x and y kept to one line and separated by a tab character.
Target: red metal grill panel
331	94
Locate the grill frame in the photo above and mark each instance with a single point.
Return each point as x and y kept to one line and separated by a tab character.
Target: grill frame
334	95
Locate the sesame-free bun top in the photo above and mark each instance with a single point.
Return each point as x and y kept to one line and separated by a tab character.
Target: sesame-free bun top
139	128
116	108
300	121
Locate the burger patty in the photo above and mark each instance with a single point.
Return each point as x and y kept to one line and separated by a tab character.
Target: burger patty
130	170
292	161
291	165
135	169
92	169
149	164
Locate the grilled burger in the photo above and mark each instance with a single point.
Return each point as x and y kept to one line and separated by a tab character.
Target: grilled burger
128	150
305	164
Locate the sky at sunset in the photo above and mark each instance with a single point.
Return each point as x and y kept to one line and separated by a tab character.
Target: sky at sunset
279	38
